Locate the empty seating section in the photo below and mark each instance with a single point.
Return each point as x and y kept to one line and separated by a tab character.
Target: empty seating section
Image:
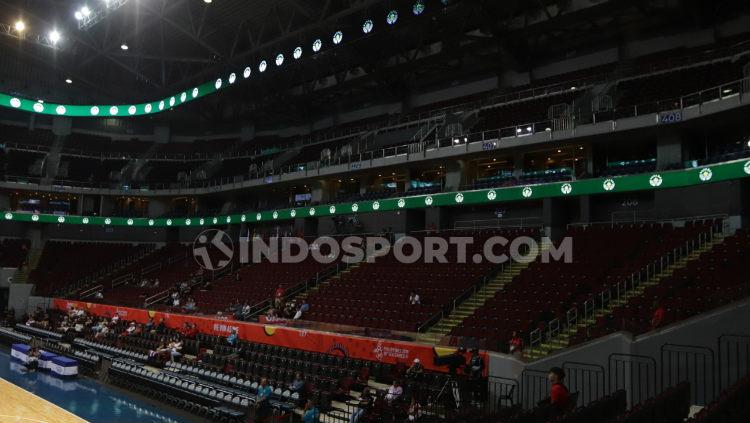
18	163
98	171
197	148
671	85
602	256
88	144
523	112
714	279
376	294
63	263
169	171
13	252
22	135
258	282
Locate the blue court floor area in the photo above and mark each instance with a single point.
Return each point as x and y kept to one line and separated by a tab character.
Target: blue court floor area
84	397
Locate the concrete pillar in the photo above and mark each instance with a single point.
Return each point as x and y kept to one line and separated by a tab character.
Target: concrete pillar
668	151
517	164
62	126
584	214
433	217
247	132
321	191
162	134
453	175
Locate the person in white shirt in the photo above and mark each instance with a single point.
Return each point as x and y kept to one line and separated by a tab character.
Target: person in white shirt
130	328
394	392
115	319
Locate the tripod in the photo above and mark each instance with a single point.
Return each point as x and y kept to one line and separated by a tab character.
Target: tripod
452	386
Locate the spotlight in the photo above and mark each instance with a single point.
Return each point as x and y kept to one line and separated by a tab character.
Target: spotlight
68	81
317	45
367	26
392	17
124	46
207	1
19	26
85	11
297	53
279	59
78	15
54	36
337	37
418	8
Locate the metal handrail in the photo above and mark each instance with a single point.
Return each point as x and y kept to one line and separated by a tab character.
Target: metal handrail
620	290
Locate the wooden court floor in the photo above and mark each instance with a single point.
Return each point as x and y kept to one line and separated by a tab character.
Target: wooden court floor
20	406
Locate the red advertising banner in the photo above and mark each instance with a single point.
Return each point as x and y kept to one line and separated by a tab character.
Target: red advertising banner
379	350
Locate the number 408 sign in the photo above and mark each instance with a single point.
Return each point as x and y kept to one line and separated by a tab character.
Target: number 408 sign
670	117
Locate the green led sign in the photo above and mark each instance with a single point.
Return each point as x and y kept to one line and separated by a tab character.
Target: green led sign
647	181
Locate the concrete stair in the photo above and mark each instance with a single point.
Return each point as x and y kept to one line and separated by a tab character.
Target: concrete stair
332	279
563	339
445	325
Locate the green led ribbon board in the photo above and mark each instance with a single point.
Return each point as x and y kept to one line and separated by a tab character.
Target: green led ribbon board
647	181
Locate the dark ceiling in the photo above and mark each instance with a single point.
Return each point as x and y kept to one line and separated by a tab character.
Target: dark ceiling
174	44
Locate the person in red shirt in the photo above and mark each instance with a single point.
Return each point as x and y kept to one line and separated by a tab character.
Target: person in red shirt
279	296
516	345
658	318
559	397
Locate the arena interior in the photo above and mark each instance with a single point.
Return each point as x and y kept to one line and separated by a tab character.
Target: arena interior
365	211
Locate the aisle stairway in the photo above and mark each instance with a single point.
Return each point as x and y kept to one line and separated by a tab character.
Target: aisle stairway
445	325
32	260
562	340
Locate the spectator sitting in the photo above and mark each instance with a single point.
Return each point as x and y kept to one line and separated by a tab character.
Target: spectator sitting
311	414
99	295
232	338
415	410
189	331
303	308
279	296
174	350
415	369
190	304
515	345
394	392
414	298
131	328
271	314
262	400
366	402
298	383
658	317
156	283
